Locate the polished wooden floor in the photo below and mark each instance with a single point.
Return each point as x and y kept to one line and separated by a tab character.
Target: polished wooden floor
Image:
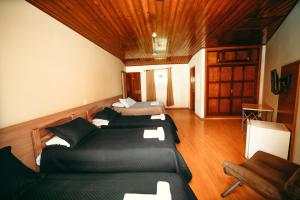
205	144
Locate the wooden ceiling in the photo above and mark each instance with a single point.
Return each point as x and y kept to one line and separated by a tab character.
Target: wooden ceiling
124	27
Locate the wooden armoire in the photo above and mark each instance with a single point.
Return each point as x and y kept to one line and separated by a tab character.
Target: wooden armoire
232	78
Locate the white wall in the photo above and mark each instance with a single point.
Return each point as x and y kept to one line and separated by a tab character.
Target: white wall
198	60
262	74
45	67
180	80
283	48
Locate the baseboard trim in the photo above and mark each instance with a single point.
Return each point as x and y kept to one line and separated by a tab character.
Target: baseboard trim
222	117
176	108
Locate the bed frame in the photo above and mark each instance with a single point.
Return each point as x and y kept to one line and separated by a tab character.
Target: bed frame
91	112
41	135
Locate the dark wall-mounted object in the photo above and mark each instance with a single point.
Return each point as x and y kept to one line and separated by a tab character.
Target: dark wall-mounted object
279	85
274	82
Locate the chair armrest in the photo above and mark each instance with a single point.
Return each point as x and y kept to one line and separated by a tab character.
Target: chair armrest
253	180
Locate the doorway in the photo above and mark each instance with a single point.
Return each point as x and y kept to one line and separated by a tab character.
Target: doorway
192	89
132	85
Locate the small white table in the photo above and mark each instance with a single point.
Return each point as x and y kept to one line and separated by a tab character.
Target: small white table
270	137
257	109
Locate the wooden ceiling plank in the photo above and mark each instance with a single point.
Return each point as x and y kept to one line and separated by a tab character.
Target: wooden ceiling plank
187	17
136	24
104	19
152	14
124	27
176	26
145	25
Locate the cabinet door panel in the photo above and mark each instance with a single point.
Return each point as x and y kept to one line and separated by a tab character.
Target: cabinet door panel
229	55
236	105
212	57
226	73
237	73
213	105
242	55
249	100
225	90
213	90
249	89
237	89
225	105
213	74
254	55
250	73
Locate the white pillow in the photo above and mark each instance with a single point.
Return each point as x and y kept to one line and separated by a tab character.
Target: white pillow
131	101
118	104
57	141
100	122
125	103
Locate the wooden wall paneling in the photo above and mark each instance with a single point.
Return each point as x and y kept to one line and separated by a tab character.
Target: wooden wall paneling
234	71
124	28
288	101
19	136
157	61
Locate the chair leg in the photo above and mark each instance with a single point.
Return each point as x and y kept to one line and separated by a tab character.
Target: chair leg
226	192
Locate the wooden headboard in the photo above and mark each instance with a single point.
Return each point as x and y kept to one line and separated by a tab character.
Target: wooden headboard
288	101
19	136
41	135
91	112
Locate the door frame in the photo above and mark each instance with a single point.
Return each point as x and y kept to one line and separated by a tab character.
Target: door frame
192	71
124	83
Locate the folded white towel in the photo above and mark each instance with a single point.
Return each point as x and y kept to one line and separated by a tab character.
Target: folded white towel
162	193
100	122
159	133
129	196
57	141
161	117
154	103
38	160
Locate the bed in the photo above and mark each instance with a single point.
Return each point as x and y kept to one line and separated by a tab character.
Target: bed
141	108
120	121
20	182
110	150
106	186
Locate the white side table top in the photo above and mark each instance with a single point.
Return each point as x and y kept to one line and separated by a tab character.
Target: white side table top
269	125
